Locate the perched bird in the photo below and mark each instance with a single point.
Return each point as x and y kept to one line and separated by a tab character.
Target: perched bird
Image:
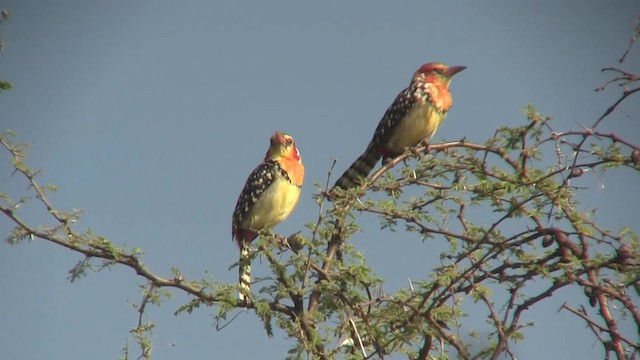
412	118
268	197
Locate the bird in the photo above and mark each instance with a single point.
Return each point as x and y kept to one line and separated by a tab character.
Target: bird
412	118
269	195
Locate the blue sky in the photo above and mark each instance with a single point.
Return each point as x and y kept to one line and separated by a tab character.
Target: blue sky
149	115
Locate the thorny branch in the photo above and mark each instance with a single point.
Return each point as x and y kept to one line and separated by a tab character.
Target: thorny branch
632	40
142	328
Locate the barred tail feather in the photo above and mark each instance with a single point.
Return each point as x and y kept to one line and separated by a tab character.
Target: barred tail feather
244	269
359	170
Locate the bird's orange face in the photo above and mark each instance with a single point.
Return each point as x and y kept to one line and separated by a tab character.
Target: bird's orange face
282	145
284	149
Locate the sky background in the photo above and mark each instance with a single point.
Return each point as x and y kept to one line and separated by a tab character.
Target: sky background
149	115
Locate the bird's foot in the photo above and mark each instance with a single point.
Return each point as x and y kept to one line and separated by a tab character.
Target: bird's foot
415	152
426	144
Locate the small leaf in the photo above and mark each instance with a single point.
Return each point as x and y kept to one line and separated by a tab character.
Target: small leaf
5	85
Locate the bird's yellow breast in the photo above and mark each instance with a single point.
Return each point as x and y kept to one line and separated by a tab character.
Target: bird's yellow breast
420	123
274	205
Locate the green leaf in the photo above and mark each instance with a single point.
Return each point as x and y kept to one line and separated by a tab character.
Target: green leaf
5	85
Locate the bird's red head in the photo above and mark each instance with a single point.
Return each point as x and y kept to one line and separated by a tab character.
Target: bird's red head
435	71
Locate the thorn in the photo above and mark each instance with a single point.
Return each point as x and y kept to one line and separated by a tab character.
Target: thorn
355	329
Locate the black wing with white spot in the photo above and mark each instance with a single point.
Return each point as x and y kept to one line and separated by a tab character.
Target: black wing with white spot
258	182
405	100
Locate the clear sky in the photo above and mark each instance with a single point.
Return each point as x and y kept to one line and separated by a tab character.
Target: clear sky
149	115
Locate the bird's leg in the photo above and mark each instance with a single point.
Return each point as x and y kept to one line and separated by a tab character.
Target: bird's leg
415	151
426	144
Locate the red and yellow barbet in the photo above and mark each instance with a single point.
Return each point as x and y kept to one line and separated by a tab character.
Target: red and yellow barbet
413	117
268	197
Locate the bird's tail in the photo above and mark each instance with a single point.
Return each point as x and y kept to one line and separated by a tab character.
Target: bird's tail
360	169
244	269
